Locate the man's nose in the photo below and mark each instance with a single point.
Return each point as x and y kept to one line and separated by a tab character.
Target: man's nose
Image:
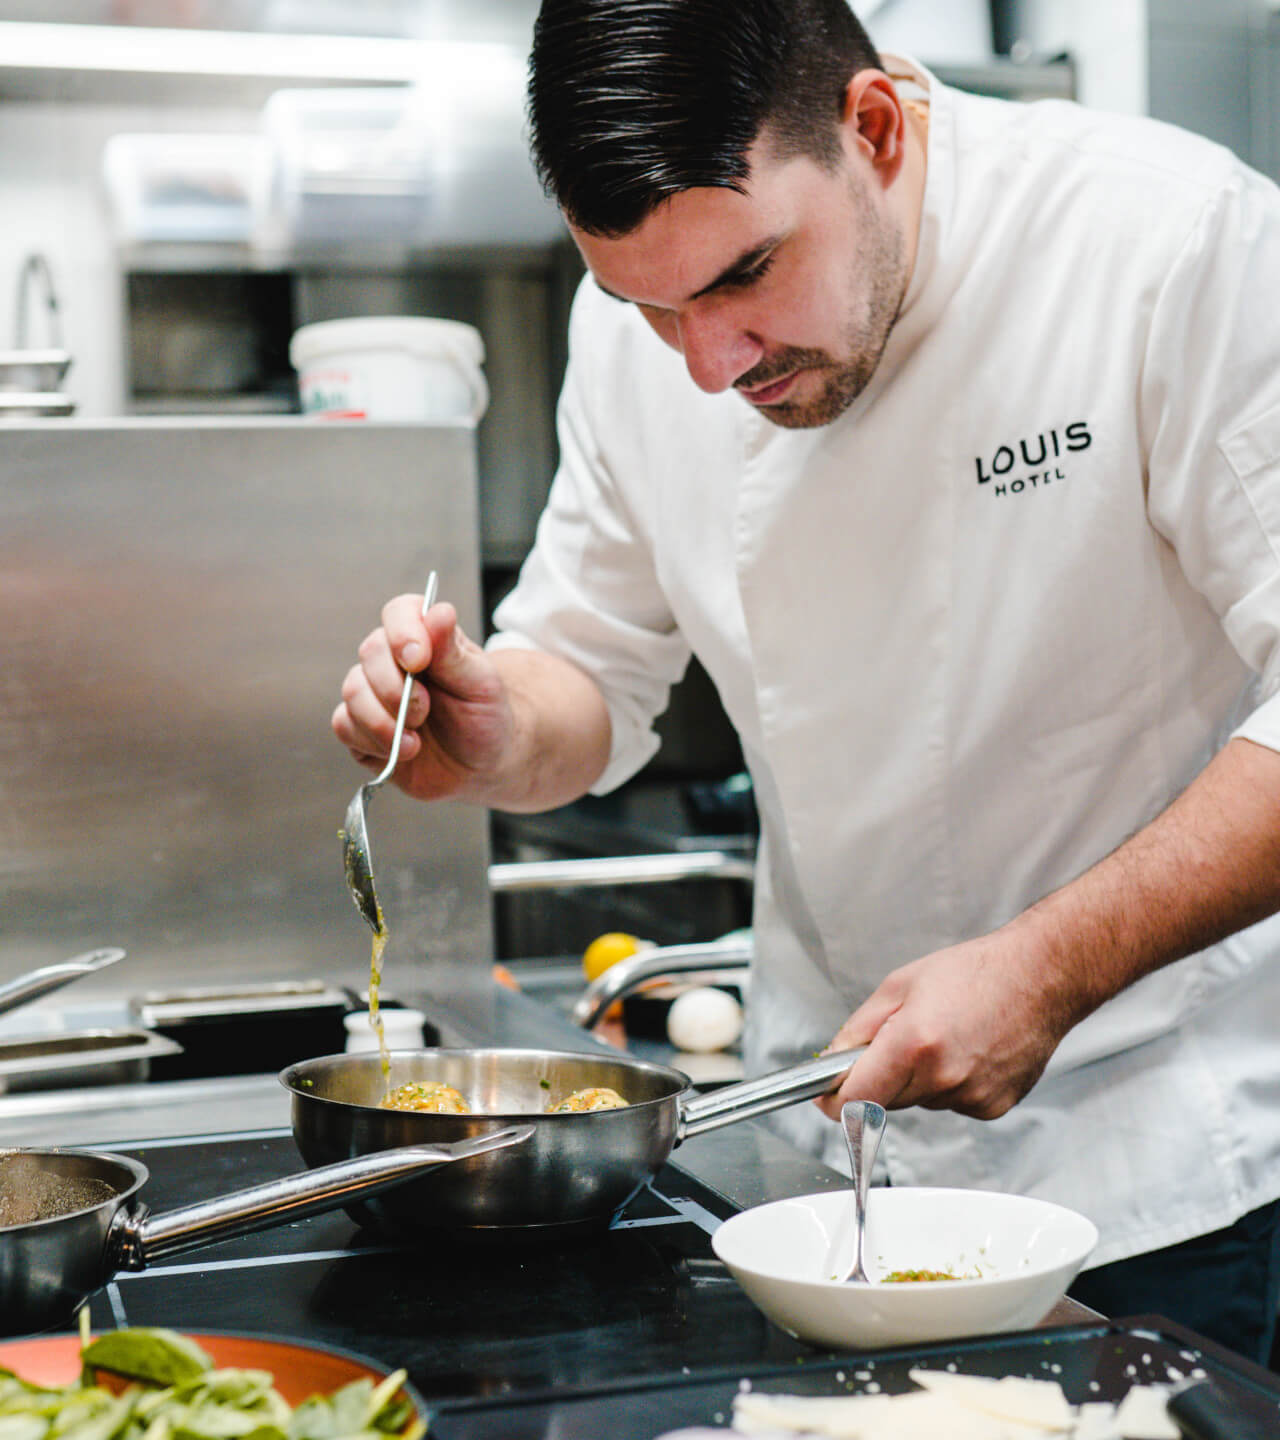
717	350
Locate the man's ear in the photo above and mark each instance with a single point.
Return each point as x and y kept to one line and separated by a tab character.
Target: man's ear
872	120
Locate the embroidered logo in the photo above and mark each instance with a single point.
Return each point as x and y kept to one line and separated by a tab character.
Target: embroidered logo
1027	465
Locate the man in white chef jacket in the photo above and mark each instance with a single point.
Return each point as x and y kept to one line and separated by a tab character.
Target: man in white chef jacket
946	433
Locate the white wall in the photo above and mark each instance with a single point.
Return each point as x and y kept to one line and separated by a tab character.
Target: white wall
935	32
53	201
1108	39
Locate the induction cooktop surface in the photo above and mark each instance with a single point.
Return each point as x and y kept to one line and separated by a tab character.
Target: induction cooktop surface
467	1317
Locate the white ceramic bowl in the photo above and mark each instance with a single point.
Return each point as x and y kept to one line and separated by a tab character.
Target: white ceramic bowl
1023	1254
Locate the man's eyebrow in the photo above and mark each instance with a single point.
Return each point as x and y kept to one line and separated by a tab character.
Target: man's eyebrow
732	272
747	261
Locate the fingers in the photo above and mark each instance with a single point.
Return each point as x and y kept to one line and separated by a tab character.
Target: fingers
408	640
415	642
881	1073
371	691
902	1066
365	723
432	647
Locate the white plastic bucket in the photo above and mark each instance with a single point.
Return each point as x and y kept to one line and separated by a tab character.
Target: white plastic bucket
396	367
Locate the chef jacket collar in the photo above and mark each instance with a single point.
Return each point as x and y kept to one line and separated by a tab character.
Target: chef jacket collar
939	184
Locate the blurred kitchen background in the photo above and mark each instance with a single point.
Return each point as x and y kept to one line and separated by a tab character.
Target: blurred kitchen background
200	178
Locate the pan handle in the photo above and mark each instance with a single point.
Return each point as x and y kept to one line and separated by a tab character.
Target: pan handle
51	977
766	1092
137	1238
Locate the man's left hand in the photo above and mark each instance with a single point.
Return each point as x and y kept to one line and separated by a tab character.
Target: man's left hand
968	1028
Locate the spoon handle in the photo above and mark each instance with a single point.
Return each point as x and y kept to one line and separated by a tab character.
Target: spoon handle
428	600
864	1123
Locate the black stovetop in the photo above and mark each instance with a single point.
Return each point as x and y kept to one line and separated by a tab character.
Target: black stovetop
467	1319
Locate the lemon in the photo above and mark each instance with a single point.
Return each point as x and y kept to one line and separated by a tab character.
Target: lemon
606	950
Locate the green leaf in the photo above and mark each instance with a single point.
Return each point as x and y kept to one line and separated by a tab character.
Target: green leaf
351	1407
313	1420
99	1422
23	1427
160	1357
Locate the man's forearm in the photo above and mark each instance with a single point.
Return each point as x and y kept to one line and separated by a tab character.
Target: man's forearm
562	733
1203	869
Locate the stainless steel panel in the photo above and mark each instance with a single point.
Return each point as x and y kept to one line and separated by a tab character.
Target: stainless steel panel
179	601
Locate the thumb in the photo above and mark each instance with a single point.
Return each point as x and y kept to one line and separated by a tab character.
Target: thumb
457	665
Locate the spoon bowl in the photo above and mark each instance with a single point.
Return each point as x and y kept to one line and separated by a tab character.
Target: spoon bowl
357	861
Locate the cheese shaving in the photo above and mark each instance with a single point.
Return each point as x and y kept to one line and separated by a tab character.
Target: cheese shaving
1143	1415
1038	1403
959	1407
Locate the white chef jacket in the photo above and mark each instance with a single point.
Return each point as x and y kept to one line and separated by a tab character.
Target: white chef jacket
978	630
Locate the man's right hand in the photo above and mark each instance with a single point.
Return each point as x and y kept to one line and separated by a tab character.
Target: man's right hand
459	729
515	729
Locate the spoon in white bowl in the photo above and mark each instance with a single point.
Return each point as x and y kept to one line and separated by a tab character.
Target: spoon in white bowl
863	1122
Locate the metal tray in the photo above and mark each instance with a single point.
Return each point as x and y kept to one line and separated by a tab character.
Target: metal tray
157	1008
80	1057
1091	1362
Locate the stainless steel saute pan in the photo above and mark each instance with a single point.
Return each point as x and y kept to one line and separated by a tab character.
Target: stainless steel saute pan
576	1168
70	1219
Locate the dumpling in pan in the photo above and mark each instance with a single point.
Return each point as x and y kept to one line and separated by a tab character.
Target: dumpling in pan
595	1097
433	1096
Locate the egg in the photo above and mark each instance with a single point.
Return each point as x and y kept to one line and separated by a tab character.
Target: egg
704	1019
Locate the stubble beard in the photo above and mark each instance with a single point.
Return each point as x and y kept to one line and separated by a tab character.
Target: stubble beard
866	335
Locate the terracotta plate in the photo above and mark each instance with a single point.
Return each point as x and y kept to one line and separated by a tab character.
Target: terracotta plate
300	1370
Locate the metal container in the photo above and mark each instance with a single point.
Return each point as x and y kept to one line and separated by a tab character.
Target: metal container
160	1008
243	1029
30	378
35	405
33	371
578	1169
80	1057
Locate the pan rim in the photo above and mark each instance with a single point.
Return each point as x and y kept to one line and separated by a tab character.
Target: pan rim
629	1062
122	1197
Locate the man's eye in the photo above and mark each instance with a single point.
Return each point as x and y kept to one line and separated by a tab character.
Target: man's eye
757	272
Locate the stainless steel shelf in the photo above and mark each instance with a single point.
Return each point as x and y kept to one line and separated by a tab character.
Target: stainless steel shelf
108	64
359	257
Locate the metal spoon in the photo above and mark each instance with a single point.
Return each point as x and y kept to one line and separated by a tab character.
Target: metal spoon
863	1122
357	863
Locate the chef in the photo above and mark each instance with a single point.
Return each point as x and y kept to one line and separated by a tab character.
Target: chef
946	433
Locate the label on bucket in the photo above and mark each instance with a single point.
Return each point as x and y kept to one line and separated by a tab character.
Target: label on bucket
333	393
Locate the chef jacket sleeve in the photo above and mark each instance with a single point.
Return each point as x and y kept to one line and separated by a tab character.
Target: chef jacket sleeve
1210	412
589	591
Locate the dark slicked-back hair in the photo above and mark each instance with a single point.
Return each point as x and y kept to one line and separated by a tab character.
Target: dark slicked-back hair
632	101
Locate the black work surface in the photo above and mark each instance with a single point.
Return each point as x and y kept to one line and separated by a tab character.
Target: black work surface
1090	1362
467	1319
